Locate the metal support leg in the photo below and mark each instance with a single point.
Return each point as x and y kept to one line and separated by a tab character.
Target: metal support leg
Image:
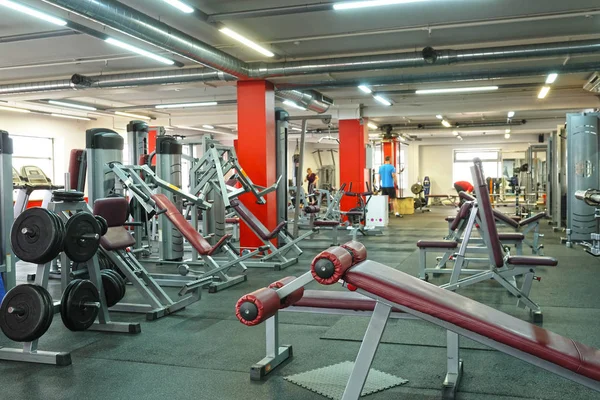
422	263
454	366
367	351
276	354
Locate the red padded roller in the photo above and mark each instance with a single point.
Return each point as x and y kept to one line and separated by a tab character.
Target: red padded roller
293	297
330	265
357	250
258	306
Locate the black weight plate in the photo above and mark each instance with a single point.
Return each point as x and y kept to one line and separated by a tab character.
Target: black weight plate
60	226
76	248
120	281
67	196
41	246
30	325
65	298
103	225
49	302
112	291
76	316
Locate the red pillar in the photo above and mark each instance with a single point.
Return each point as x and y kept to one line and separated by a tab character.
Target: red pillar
256	151
353	139
389	150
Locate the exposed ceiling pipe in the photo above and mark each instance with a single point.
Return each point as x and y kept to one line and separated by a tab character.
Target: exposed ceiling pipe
457	125
270	12
463	76
35	87
311	99
134	23
37	35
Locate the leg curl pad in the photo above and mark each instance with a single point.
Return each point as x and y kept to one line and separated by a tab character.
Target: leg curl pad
258	306
330	265
291	299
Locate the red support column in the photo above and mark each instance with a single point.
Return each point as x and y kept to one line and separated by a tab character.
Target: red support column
389	150
353	139
256	151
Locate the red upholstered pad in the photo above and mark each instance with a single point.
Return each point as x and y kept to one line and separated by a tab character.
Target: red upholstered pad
466	196
337	300
115	210
511	236
506	219
116	238
187	230
533	261
437	244
254	223
266	302
292	298
75	159
405	290
339	258
532	219
325	223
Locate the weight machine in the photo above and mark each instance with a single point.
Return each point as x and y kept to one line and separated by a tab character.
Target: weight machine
591	197
7	260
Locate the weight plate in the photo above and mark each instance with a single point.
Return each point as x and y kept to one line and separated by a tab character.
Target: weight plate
112	290
60	226
75	314
103	225
64	300
35	236
121	281
29	318
76	246
67	196
49	302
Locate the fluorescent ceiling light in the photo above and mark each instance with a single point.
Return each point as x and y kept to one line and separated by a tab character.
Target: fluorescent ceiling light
507	131
551	79
402	139
124	114
34	13
296	129
439	116
507	136
208	126
187	105
372	125
20	110
292	104
247	42
365	89
70	117
382	100
455	133
544	92
458	90
511	114
139	51
446	123
350	5
72	105
181	6
459	137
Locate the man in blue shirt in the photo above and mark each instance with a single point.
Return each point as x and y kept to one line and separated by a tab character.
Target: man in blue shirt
388	182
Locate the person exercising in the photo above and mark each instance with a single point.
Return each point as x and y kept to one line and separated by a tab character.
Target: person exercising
312	180
463	186
388	182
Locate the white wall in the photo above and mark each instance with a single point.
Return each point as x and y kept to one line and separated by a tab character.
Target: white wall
435	157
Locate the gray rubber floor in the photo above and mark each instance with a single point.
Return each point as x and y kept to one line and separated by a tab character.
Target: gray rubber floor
203	352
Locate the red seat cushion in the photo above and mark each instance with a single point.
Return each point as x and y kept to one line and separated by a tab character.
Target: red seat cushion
533	261
254	223
337	300
116	238
437	244
320	222
407	291
196	240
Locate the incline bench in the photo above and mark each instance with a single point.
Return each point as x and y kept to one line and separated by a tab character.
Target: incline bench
392	290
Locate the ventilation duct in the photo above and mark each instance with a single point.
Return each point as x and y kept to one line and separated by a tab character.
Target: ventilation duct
134	23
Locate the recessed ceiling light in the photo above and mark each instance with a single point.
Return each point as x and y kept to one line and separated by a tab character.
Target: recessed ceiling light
71	105
544	92
208	126
455	133
507	136
507	131
350	5
382	100
139	51
372	125
71	117
296	129
551	78
457	90
187	105
124	114
446	123
511	114
247	42
439	116
180	5
365	89
32	12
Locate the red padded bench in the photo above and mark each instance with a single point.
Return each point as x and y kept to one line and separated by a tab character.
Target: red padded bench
477	321
196	240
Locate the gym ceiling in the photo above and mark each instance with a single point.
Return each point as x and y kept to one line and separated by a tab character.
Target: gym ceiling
296	30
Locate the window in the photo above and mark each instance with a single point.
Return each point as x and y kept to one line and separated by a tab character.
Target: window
38	151
402	163
463	161
377	156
